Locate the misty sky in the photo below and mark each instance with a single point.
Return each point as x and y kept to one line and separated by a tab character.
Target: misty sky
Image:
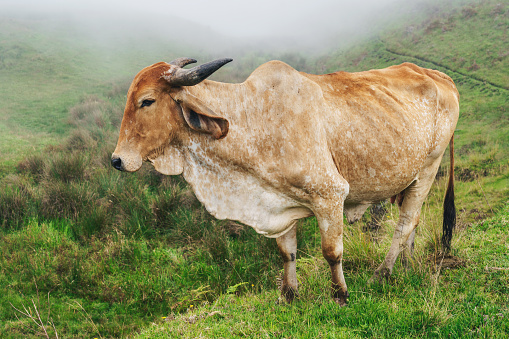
236	18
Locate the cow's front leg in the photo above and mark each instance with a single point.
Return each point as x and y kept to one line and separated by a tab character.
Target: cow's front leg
287	244
328	208
332	249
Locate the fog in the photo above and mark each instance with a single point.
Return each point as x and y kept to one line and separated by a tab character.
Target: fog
297	24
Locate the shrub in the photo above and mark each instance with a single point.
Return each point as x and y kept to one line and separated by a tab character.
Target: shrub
65	201
80	114
115	115
95	223
469	12
131	204
66	167
433	25
80	140
474	67
166	204
119	89
215	242
96	116
33	164
14	207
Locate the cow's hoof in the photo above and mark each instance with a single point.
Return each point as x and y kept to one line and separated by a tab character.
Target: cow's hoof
282	301
380	276
288	295
340	298
342	302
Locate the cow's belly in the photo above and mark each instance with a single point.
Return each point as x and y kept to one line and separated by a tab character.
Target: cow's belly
376	173
382	183
230	194
369	192
381	177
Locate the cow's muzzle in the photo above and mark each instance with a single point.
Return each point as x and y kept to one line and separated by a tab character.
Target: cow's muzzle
117	163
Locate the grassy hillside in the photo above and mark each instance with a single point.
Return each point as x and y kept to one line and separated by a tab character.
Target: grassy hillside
99	253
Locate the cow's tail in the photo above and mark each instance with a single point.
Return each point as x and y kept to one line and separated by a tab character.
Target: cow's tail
449	207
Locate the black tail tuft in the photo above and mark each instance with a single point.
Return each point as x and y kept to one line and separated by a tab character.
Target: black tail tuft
449	218
449	207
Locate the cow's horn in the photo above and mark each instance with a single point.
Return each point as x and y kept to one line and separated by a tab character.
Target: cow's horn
195	75
181	62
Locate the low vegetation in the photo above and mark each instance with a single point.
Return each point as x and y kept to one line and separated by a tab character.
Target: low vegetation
464	297
87	251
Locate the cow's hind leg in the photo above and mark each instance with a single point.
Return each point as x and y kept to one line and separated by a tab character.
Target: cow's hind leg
408	251
287	245
410	211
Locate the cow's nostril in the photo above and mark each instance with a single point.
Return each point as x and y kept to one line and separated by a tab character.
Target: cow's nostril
117	163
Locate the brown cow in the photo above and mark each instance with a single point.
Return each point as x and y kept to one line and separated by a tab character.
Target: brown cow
285	145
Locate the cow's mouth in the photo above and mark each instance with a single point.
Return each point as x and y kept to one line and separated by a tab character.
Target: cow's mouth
125	163
152	155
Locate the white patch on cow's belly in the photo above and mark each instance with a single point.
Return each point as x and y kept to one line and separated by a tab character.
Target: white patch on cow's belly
230	194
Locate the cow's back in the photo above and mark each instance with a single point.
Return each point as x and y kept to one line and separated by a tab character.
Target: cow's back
384	125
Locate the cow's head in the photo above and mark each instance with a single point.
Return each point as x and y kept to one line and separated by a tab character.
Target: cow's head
159	111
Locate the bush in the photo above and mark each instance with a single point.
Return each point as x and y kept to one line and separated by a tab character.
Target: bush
469	12
14	207
96	223
66	201
66	167
83	113
96	116
80	140
33	164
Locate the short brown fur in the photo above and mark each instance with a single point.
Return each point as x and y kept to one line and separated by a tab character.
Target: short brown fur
297	145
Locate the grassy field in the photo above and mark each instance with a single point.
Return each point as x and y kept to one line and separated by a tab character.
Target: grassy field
89	252
436	299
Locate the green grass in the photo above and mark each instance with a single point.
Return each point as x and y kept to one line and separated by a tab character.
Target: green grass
114	286
446	38
99	253
84	241
432	300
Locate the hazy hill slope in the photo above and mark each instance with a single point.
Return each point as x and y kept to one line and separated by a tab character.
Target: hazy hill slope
471	40
48	64
38	84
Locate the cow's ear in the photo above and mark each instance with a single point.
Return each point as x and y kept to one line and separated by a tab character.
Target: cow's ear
200	117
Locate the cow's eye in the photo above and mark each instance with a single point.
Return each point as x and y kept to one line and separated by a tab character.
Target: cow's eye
147	102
